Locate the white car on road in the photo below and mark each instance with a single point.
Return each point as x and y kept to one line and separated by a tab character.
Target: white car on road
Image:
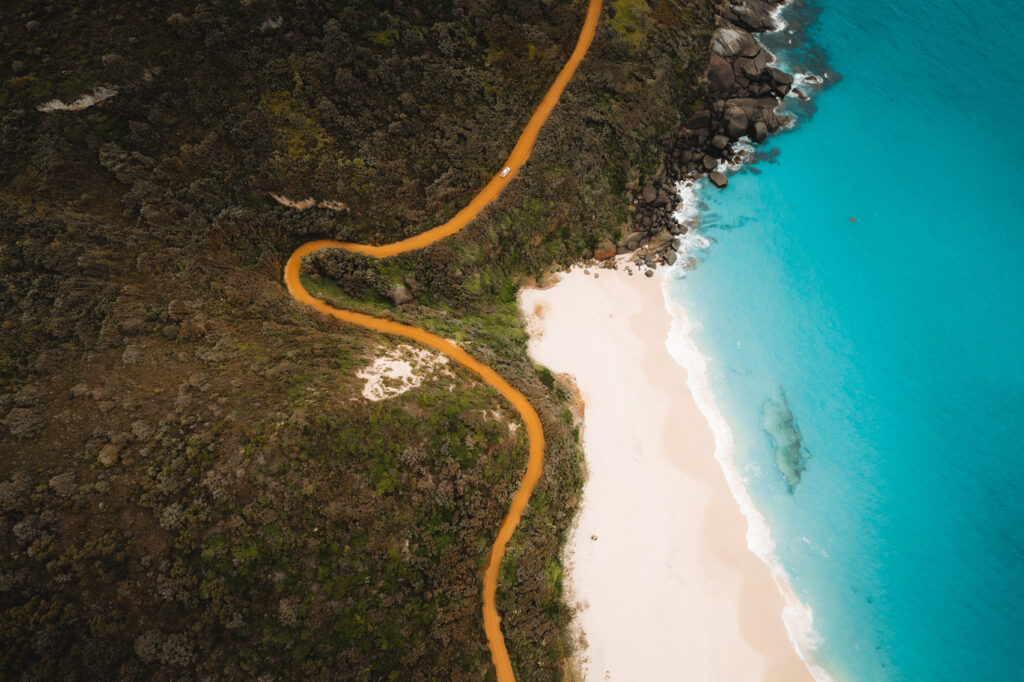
505	171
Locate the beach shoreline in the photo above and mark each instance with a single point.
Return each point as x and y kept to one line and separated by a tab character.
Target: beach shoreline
658	566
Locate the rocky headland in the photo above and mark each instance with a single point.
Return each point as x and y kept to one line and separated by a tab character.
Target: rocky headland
194	483
744	91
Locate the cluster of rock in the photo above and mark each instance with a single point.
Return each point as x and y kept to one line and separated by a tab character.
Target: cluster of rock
743	93
655	230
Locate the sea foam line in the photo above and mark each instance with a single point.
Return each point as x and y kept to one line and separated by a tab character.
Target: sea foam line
797	617
687	211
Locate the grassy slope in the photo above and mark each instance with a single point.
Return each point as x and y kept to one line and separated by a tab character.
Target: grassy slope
260	518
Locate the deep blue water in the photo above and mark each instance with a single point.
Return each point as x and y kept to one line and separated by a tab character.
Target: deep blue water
897	340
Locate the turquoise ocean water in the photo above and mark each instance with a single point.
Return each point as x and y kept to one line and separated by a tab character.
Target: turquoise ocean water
896	339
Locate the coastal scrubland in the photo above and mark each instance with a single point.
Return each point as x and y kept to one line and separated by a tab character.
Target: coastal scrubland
191	483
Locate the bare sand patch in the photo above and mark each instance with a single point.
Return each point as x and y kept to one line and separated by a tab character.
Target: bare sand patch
84	102
399	370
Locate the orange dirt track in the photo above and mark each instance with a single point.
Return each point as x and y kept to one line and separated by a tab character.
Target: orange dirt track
520	153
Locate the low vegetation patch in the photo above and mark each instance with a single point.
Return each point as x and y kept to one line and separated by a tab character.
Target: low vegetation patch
193	485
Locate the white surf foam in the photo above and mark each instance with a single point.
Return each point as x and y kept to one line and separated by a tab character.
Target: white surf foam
688	209
776	15
803	79
743	149
797	616
687	213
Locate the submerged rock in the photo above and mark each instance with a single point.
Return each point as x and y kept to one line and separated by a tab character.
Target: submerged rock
777	421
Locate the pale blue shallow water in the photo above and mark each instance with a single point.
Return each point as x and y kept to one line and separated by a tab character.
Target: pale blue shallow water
897	339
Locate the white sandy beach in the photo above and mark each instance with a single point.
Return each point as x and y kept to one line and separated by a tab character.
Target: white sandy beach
658	564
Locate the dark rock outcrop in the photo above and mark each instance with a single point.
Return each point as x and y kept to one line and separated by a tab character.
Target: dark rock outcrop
736	121
743	93
731	43
753	15
721	81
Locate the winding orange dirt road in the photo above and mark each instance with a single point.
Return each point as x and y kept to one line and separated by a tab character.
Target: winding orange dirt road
520	153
